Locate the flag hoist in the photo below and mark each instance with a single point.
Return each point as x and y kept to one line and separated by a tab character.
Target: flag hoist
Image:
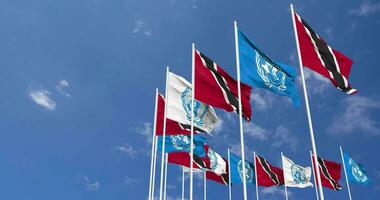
192	118
310	123
240	108
154	151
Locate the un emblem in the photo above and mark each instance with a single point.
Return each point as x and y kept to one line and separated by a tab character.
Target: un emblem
180	142
272	77
213	159
200	109
249	173
358	172
298	174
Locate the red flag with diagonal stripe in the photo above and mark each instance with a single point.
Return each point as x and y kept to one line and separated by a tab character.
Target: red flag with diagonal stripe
317	55
330	173
268	175
213	86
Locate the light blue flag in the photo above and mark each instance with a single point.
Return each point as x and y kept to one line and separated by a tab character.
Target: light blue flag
236	167
355	172
258	70
181	143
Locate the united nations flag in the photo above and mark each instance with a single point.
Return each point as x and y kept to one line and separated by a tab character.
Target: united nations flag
181	143
355	172
236	167
295	175
258	70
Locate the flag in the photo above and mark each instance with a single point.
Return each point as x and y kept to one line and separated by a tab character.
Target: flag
317	55
179	105
222	179
215	162
183	159
268	175
213	86
236	170
258	70
330	173
355	172
172	127
295	175
181	143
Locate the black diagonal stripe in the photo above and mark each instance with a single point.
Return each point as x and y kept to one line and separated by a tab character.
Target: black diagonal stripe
232	99
328	58
225	179
326	173
199	162
188	128
268	170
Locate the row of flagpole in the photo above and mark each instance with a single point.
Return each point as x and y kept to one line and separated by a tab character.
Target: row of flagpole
164	157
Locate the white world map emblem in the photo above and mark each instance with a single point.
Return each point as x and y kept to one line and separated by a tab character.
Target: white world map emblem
200	109
249	173
180	142
298	174
272	77
357	172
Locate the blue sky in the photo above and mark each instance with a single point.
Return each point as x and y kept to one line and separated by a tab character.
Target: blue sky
78	77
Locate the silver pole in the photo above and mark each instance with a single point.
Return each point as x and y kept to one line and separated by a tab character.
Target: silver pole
286	190
257	186
240	109
345	173
163	135
314	148
315	180
166	175
204	186
183	184
154	167
229	175
192	119
153	146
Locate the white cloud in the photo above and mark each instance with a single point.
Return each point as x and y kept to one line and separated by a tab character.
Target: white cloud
218	126
355	114
145	129
272	191
142	27
194	4
315	82
262	100
41	97
366	8
255	131
127	149
62	84
283	137
129	180
329	32
91	185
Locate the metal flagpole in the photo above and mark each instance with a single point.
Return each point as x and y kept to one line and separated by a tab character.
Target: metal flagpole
315	180
345	172
204	186
183	184
240	109
154	167
314	148
166	174
286	190
153	146
257	184
229	175
192	120
163	135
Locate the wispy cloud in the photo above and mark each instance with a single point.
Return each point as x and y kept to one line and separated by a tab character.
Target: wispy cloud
262	100
42	98
145	129
283	137
91	185
127	149
366	8
316	83
274	191
62	85
142	28
194	4
355	114
218	126
130	180
255	131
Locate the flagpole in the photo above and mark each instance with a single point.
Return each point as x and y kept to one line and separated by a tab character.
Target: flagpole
163	135
153	146
286	190
314	148
240	109
229	175
154	167
315	180
204	186
345	172
257	186
183	184
192	119
166	174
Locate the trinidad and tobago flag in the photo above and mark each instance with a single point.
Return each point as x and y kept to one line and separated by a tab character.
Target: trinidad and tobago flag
268	175
172	127
317	55
330	173
213	86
